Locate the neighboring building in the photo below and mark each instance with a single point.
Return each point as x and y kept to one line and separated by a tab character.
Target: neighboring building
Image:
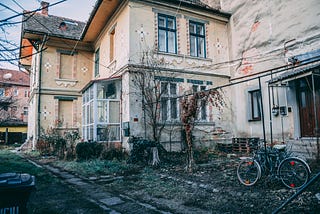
188	37
278	43
60	66
14	95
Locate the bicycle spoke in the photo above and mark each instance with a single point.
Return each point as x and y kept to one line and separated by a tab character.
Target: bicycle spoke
248	172
294	173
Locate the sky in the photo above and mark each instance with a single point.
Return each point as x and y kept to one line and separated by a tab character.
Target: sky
75	9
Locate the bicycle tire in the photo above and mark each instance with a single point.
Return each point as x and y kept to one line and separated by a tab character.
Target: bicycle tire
294	172
248	172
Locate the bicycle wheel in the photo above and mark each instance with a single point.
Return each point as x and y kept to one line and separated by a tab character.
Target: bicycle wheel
248	172
294	172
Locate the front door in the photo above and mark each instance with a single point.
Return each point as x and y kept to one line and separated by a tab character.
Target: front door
306	105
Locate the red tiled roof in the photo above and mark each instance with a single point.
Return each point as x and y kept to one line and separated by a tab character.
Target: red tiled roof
14	77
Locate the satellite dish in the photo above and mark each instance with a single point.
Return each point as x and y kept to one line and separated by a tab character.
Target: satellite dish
7	76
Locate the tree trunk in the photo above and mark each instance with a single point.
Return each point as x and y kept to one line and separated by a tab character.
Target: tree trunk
190	160
155	156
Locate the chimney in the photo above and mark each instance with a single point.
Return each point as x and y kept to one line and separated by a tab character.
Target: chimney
45	8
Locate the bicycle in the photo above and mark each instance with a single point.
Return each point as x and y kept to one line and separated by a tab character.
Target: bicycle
276	162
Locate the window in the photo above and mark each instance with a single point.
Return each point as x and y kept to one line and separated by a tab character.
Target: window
101	112
2	93
167	34
25	110
14	111
66	66
169	102
203	104
96	62
15	92
65	113
255	105
112	34
197	39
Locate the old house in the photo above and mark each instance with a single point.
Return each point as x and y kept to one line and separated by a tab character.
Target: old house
14	95
59	65
275	53
82	76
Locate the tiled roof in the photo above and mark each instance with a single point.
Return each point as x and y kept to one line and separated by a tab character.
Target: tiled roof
14	77
52	25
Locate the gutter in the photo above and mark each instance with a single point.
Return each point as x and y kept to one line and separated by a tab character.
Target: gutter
92	15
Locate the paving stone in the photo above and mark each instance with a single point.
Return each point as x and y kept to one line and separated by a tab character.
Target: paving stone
112	201
66	175
76	181
131	207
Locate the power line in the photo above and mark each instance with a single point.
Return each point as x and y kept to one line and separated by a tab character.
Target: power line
32	11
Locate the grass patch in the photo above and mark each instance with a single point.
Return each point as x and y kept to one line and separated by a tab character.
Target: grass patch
98	167
51	195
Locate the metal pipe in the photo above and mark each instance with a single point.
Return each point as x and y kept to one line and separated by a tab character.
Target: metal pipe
297	193
315	116
262	117
270	114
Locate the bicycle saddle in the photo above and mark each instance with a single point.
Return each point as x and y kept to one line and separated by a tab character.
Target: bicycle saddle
279	146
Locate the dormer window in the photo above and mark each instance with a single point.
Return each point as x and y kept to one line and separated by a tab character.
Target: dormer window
63	26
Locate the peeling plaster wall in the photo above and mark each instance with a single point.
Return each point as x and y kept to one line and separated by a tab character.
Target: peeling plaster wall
260	32
261	28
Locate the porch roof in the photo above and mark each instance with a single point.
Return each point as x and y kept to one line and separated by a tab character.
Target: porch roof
296	73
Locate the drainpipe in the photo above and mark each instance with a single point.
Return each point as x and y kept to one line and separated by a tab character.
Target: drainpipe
262	117
270	113
315	116
39	91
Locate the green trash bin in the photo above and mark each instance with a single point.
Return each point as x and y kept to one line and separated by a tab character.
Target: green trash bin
15	190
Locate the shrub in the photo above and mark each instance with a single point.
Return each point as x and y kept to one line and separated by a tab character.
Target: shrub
43	147
140	150
114	153
87	151
201	155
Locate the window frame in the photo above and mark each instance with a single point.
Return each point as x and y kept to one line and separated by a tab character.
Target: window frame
203	111
166	29
112	44
169	98
96	62
62	71
3	92
254	105
198	37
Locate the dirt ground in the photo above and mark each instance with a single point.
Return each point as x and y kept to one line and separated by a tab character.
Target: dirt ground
212	188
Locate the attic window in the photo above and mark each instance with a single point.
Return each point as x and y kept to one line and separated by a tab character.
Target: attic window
63	26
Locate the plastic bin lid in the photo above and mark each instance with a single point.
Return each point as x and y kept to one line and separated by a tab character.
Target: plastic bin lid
11	178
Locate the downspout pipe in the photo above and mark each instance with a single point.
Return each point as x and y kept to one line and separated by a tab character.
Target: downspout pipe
262	116
316	132
39	90
270	114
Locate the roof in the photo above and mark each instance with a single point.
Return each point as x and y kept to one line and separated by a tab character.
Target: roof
297	72
104	9
197	3
56	26
303	64
14	77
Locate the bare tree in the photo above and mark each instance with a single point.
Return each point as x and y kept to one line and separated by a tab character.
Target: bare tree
147	79
190	106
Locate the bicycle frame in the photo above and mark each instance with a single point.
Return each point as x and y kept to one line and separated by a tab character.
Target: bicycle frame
274	161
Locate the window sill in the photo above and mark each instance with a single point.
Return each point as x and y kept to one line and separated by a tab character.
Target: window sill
184	56
254	120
